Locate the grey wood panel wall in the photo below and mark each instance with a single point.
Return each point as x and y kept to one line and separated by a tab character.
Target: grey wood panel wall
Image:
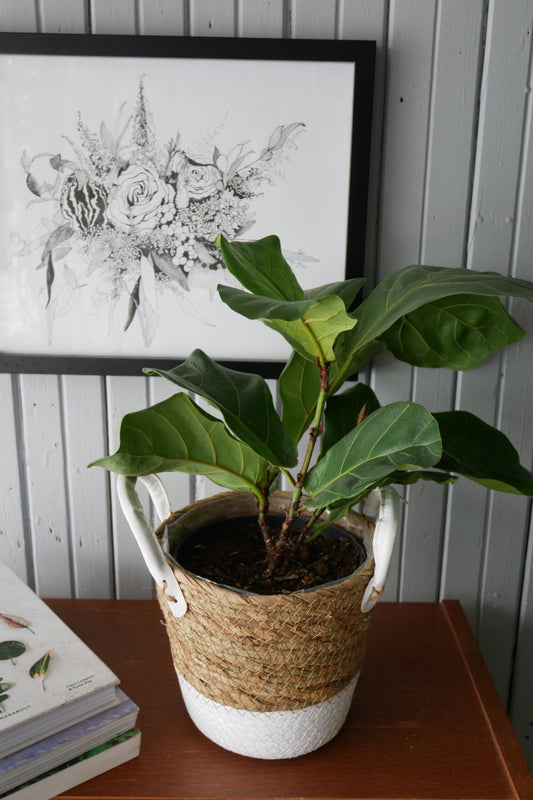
451	185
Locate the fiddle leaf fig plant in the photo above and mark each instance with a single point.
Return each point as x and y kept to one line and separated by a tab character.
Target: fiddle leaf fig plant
425	316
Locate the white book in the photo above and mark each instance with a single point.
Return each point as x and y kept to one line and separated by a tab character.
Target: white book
49	678
87	766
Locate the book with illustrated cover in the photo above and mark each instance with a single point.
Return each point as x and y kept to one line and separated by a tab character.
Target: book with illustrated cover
69	743
49	678
75	771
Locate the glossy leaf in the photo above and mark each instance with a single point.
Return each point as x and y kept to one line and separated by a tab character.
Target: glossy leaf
243	399
261	268
343	412
401	436
310	327
432	475
299	387
472	448
254	306
457	332
406	290
315	334
176	435
346	290
397	477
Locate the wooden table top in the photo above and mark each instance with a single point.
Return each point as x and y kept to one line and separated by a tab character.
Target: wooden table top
426	721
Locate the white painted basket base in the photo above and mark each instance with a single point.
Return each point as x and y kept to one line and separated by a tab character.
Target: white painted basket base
268	734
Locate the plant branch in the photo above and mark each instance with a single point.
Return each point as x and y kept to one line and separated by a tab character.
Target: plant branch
264	526
314	433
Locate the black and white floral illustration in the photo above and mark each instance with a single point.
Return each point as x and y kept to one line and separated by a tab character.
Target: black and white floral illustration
141	214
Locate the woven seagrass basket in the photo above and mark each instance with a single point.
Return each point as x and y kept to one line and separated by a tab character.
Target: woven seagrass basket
266	676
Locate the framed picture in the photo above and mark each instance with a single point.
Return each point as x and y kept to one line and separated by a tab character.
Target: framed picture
123	157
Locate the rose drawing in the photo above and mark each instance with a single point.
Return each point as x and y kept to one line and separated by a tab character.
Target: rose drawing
141	200
201	180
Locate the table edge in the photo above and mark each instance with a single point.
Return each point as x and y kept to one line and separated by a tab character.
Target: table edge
505	741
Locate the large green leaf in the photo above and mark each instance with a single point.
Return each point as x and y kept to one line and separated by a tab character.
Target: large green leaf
408	289
254	306
261	268
176	435
343	411
400	436
346	290
456	332
432	475
243	399
482	453
311	327
399	476
315	334
299	387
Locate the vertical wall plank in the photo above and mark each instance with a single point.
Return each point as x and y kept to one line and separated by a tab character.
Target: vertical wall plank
409	75
132	579
260	18
18	16
454	88
84	423
312	19
367	19
162	17
509	523
12	534
64	16
484	391
212	17
520	415
45	479
118	16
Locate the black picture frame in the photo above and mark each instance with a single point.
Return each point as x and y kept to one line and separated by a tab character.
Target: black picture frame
307	53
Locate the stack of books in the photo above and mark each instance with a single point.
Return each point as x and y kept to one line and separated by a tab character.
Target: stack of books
63	717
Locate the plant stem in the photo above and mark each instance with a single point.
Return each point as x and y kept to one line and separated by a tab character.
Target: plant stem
275	549
314	433
265	529
310	524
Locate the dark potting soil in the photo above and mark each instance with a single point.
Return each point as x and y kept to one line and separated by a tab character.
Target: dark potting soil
232	552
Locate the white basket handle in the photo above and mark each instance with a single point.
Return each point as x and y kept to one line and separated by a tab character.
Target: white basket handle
154	558
384	505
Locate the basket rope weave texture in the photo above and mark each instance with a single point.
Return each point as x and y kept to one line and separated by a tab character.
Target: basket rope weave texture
268	652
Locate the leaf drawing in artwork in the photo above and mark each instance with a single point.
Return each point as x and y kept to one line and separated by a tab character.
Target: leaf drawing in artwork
10	650
39	669
15	622
3	696
142	213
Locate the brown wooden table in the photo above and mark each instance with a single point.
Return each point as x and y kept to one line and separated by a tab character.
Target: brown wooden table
426	721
